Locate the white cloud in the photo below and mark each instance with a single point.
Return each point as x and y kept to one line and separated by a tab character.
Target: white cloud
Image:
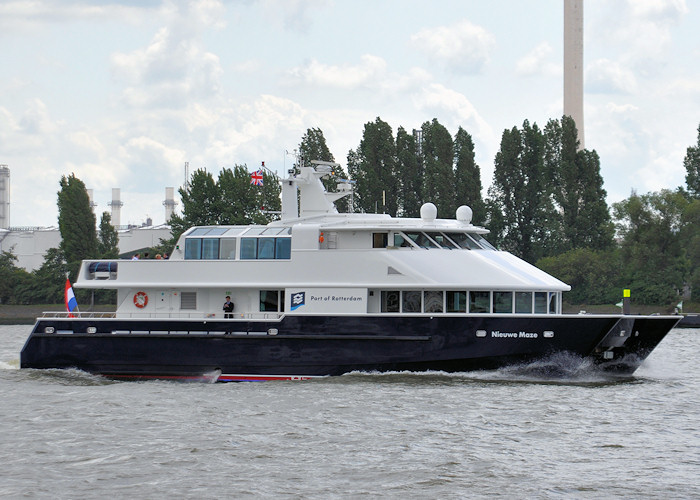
463	47
365	74
536	63
295	14
175	68
609	77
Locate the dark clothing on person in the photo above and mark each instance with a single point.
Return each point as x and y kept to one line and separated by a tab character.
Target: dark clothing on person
228	308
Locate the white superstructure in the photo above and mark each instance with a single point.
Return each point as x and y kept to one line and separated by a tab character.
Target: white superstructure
342	263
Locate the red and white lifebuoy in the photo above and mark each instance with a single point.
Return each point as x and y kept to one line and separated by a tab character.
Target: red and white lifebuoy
140	300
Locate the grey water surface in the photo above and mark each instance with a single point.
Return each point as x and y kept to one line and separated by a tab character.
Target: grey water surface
516	433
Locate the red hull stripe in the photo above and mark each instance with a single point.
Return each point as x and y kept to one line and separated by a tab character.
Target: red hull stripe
221	378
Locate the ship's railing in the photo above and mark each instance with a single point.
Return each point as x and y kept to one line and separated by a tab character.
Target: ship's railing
161	315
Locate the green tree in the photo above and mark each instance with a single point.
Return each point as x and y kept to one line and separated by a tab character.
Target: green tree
691	162
577	188
520	211
410	170
373	167
468	176
438	158
46	284
11	278
108	238
77	224
654	263
690	241
594	275
244	203
200	204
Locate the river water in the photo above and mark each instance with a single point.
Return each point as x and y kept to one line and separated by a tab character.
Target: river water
506	433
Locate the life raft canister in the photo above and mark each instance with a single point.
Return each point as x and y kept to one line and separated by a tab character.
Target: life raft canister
140	300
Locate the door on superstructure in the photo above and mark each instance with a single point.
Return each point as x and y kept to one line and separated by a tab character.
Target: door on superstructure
165	301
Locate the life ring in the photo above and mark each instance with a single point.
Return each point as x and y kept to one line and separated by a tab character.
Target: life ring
140	300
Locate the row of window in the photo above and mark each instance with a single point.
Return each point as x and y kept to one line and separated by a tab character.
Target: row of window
458	301
446	240
225	248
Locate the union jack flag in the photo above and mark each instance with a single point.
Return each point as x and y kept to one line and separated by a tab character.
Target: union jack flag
256	178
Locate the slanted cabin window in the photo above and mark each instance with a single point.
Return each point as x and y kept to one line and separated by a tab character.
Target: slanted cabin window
421	240
441	240
456	301
479	302
503	302
188	300
463	240
380	240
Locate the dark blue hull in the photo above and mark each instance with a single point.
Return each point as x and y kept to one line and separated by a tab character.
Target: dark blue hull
306	346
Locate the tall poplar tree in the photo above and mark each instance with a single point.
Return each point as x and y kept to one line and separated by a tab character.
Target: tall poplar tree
410	171
108	238
691	162
438	158
468	176
373	167
76	223
577	188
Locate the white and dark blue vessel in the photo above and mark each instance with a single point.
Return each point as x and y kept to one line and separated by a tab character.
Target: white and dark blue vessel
321	293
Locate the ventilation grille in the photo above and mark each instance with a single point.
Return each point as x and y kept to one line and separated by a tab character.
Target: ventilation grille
188	300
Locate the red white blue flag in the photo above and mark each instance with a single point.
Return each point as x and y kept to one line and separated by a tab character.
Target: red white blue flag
256	178
71	303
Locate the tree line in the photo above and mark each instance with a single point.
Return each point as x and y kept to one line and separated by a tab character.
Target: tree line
546	204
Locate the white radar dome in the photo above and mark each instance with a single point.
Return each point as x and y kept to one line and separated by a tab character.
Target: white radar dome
428	212
464	214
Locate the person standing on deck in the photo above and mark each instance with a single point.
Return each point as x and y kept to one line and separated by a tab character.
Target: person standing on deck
228	308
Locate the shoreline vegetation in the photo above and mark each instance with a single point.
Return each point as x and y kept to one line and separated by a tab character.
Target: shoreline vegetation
27	314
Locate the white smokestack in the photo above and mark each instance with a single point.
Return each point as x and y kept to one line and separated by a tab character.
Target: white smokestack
4	197
573	64
169	203
116	205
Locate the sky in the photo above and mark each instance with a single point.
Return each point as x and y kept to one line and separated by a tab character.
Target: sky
123	93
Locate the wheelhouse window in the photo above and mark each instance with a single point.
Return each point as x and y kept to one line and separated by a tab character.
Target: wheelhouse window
421	239
552	303
462	240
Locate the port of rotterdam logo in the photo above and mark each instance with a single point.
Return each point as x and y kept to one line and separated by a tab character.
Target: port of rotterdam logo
298	300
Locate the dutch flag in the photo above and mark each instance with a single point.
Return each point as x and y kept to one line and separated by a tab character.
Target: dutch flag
71	303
